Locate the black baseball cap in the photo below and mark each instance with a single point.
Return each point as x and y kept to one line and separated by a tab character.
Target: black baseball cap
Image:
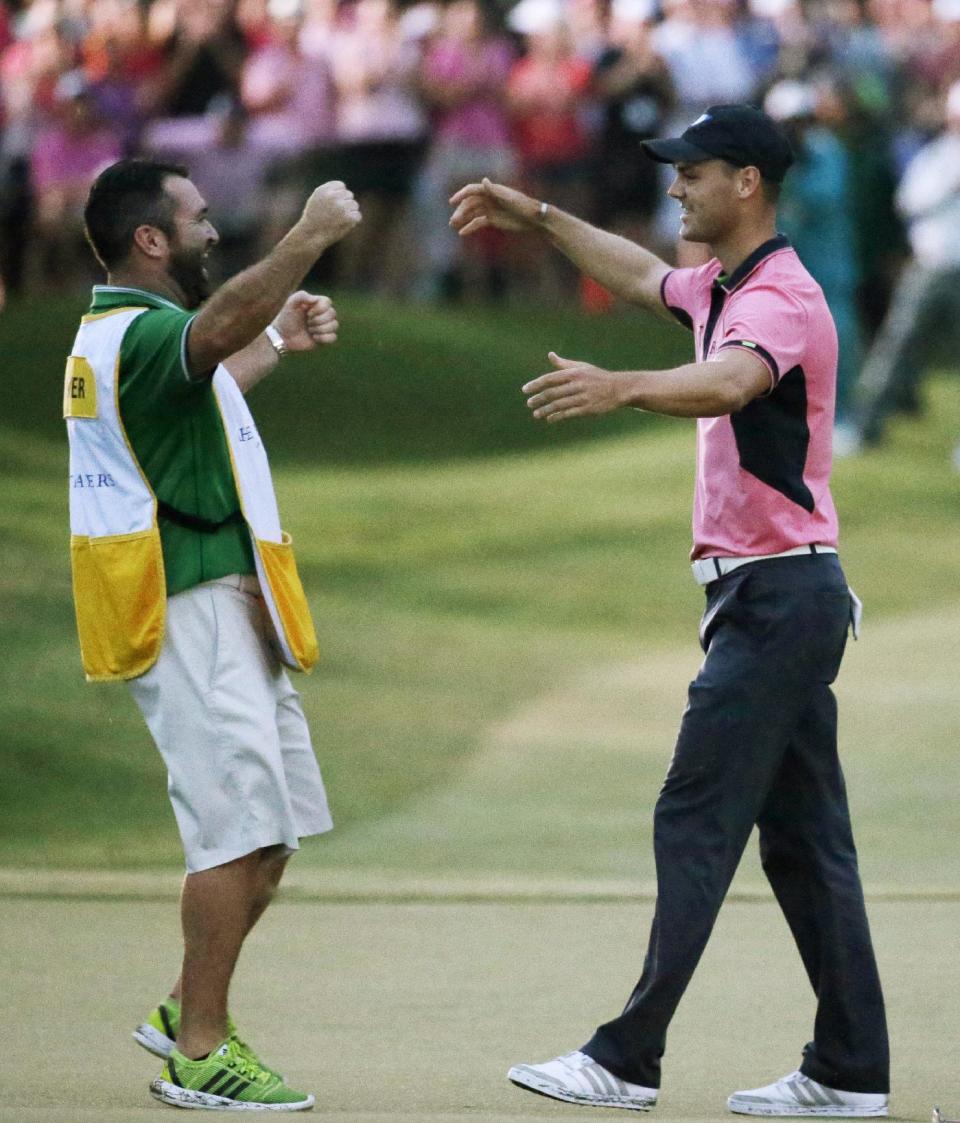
740	134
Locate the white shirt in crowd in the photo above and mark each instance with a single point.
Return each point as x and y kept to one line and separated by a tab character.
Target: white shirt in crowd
929	199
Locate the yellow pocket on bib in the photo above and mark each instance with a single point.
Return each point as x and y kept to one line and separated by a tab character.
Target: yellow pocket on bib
120	596
291	602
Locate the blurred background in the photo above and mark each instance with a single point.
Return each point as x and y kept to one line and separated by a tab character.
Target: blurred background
464	564
507	623
406	102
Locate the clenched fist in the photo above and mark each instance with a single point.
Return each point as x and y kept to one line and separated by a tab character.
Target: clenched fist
329	213
305	321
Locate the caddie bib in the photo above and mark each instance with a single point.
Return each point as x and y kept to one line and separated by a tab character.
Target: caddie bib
116	555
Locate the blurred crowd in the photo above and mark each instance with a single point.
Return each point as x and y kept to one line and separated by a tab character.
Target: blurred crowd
406	102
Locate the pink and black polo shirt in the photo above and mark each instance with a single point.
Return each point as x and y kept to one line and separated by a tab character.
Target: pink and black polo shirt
763	473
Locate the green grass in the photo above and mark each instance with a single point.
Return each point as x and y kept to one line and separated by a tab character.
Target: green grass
461	562
465	991
403	384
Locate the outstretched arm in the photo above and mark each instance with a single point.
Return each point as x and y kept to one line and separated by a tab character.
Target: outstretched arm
709	389
304	322
626	269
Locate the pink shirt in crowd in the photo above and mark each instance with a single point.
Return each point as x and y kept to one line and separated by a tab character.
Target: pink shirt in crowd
61	158
480	120
763	473
548	119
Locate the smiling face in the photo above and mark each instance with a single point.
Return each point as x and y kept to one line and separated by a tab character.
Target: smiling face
190	244
708	193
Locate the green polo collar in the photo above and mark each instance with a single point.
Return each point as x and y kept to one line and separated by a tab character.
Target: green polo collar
105	297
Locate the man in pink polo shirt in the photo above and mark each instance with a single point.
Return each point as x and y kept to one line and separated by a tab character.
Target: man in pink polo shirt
758	740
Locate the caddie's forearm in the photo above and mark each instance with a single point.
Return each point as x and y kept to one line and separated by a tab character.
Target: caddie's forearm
620	265
253	363
241	308
693	390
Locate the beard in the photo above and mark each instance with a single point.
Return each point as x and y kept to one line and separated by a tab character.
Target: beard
188	271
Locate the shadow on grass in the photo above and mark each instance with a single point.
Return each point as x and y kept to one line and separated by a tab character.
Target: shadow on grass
405	383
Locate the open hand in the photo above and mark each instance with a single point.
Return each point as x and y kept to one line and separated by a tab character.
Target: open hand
575	389
305	321
491	204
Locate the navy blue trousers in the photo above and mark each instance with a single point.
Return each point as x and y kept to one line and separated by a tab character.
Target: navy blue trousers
758	745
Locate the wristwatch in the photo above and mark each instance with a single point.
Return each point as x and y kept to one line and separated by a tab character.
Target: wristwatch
276	340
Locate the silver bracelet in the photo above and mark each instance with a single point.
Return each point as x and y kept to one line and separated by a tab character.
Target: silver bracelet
276	340
543	211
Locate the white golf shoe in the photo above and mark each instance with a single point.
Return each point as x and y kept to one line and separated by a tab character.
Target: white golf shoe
797	1094
578	1079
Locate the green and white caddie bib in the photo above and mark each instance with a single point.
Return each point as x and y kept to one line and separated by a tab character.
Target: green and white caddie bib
116	555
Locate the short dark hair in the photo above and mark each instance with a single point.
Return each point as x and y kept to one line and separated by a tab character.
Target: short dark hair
769	188
128	194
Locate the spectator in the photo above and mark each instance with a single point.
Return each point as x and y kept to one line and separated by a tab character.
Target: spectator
6	26
463	78
30	67
121	64
939	63
545	90
763	30
634	87
814	213
846	41
925	309
204	50
381	131
867	134
697	39
243	91
545	95
289	98
253	19
707	65
316	32
67	155
203	122
286	115
586	21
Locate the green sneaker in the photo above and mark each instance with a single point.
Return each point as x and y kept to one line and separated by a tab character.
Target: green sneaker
226	1080
158	1034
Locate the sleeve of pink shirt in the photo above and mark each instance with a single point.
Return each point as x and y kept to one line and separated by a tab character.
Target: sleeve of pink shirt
679	291
770	322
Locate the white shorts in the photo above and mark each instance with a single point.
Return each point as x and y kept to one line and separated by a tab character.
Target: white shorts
230	729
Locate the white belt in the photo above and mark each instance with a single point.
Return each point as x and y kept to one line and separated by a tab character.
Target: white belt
709	569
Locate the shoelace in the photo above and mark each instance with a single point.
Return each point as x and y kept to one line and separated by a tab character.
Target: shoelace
243	1046
243	1062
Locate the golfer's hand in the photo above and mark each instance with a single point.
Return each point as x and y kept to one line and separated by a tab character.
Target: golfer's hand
575	389
306	321
491	204
329	213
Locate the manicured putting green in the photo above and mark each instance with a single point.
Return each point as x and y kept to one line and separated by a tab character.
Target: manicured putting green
415	1011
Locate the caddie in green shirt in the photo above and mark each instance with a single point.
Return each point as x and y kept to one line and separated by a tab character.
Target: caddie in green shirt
185	584
175	430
